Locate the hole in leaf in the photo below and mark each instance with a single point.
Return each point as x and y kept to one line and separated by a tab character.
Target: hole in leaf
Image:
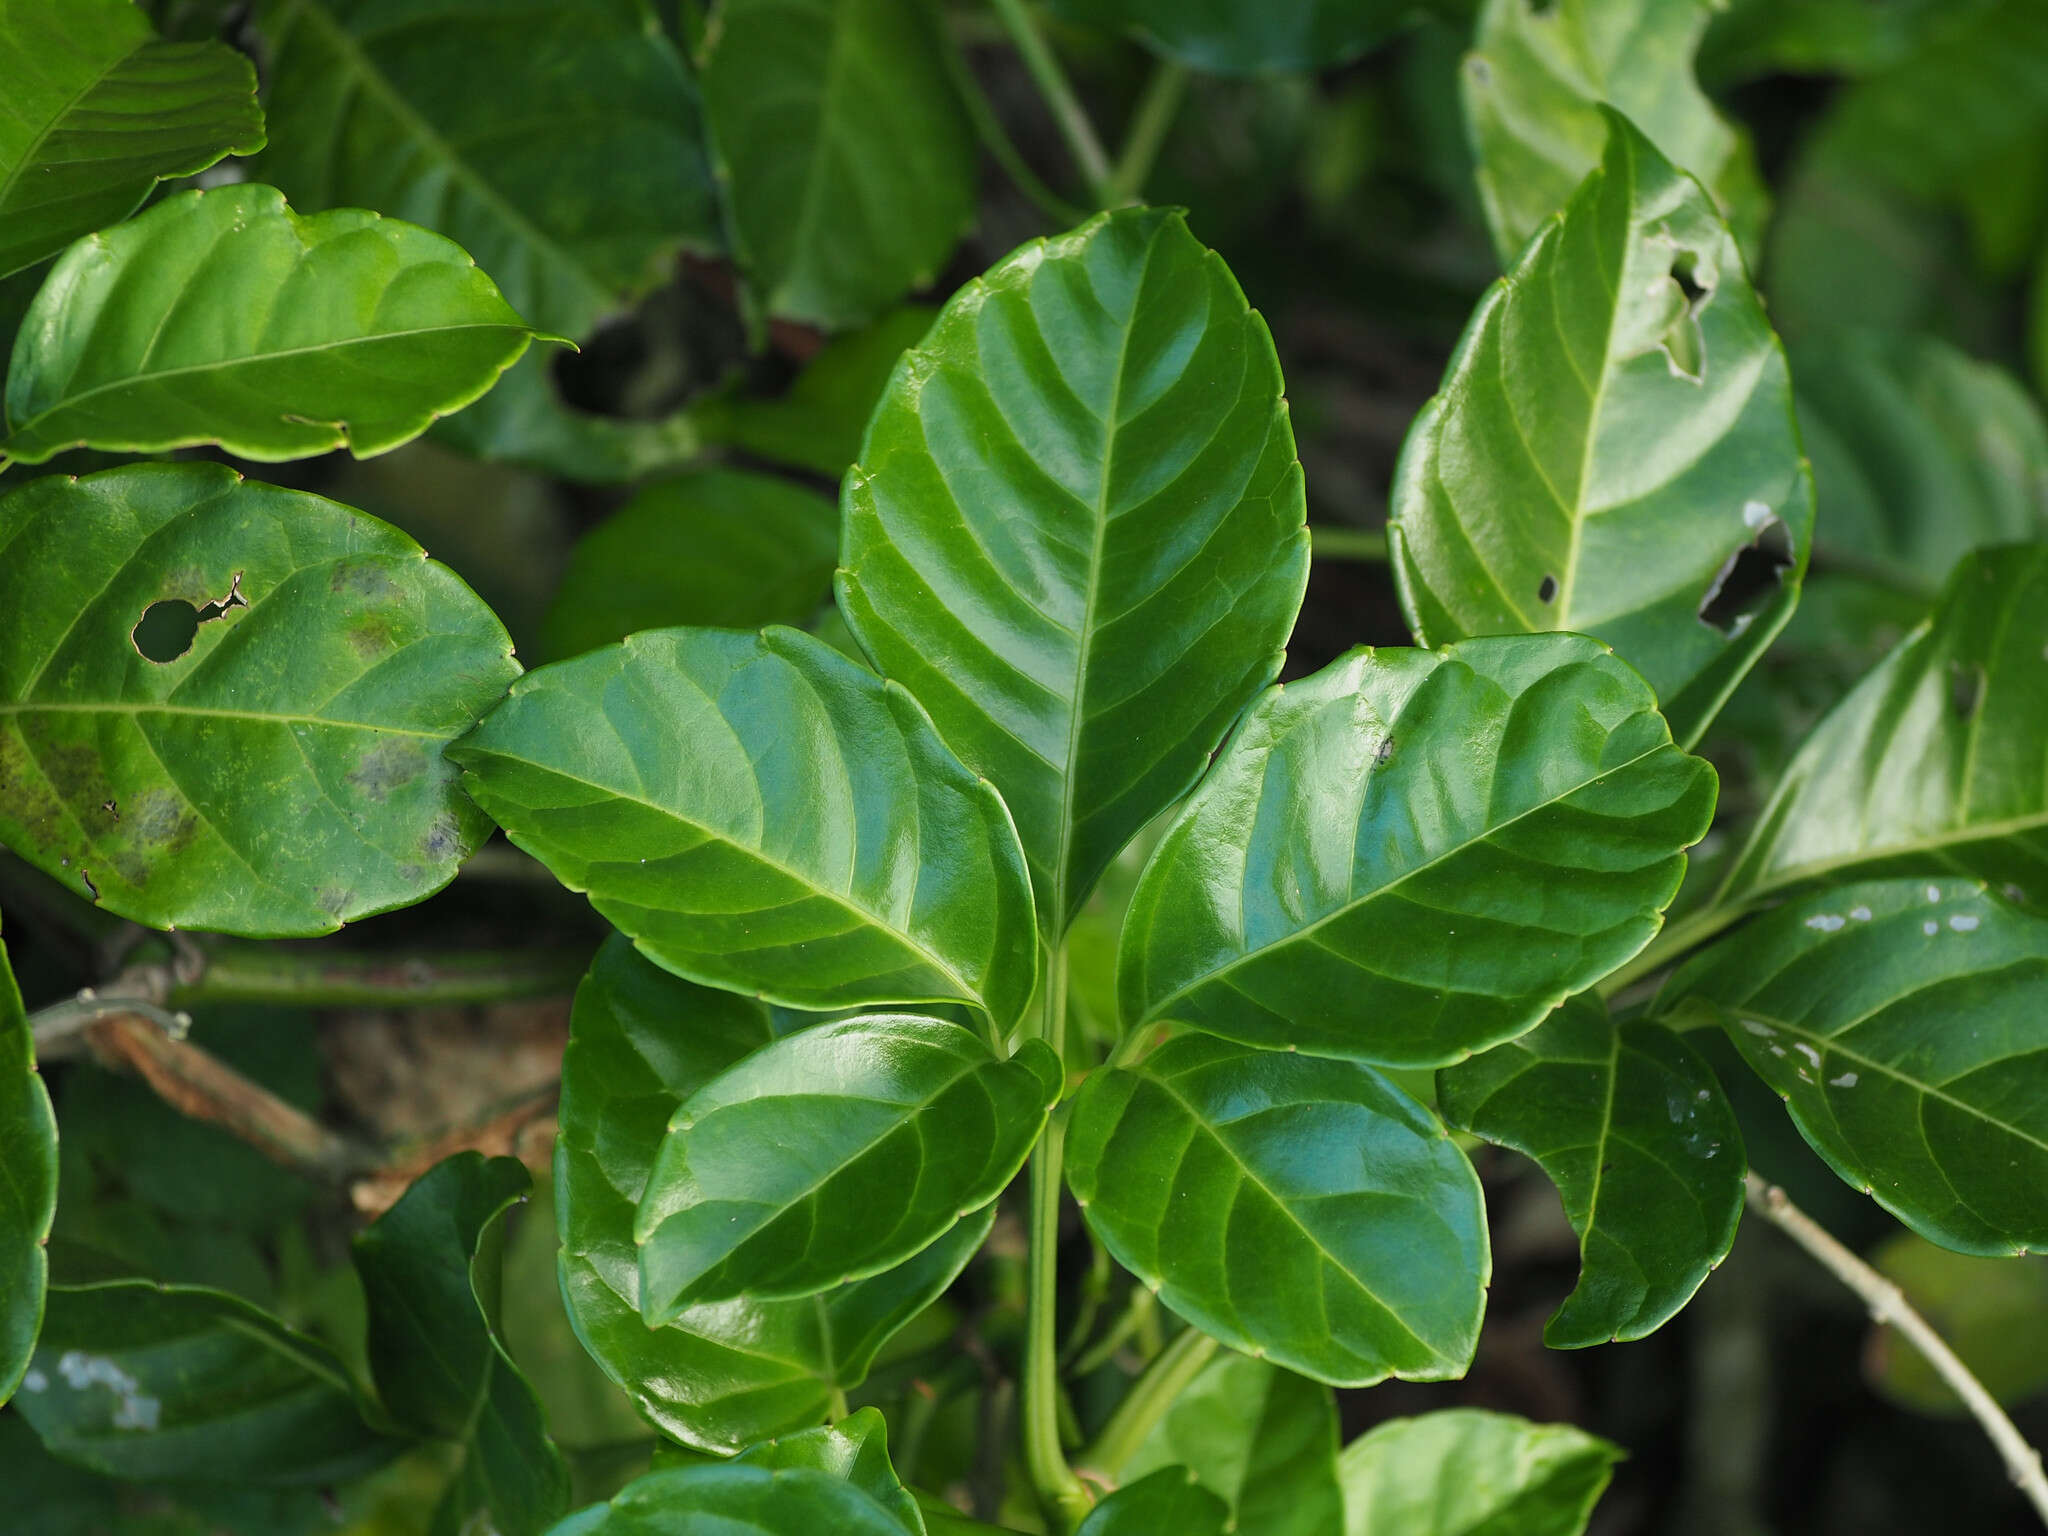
1748	579
1546	591
167	628
1965	688
1685	268
1681	340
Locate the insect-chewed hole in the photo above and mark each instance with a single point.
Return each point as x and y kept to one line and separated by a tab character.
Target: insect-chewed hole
1965	688
1546	590
167	627
1749	578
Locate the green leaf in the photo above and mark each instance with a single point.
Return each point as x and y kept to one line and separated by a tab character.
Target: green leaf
98	111
1634	1130
430	1273
856	1450
1261	1439
285	773
1413	855
1992	1312
1905	1024
525	422
728	1373
1750	39
725	548
1168	1501
1461	1472
1076	532
28	1196
906	1125
1302	1209
1935	759
135	1380
846	153
1613	449
736	1499
816	424
1534	86
223	317
1920	454
1230	37
760	813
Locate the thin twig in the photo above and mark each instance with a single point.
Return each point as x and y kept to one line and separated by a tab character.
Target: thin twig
1889	1307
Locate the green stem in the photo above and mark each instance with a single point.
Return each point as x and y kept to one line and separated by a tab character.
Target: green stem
988	127
835	1405
1067	113
1147	1401
324	977
1154	115
1367	544
1132	1318
1685	934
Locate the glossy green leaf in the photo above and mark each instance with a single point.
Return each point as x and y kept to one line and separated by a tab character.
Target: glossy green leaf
834	1154
223	317
1076	532
760	813
856	1450
285	773
1613	450
1992	1312
1634	1130
725	548
1534	85
1464	1472
135	1380
844	148
736	1499
1920	454
1905	1024
1261	1439
1302	1209
1937	759
1230	37
1166	1502
724	1374
28	1196
1413	855
430	1274
98	110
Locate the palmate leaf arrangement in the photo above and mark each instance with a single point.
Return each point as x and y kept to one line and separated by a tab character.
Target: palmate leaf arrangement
832	1028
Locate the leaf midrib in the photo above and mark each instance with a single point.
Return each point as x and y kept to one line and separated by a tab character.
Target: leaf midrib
208	713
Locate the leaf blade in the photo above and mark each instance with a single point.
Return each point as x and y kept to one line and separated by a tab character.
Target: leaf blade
28	1197
1461	1470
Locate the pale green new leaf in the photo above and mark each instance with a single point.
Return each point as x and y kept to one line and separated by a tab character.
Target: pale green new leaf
1905	1024
833	1154
723	1374
97	110
1464	1472
28	1197
846	154
285	773
1639	1138
223	317
1291	1206
1413	855
856	1450
1076	532
760	813
1231	37
1937	759
1533	88
1613	450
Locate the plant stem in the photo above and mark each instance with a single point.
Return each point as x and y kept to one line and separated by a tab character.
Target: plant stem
1067	113
1142	1305
1889	1307
1150	121
1147	1401
1367	544
1687	933
988	127
316	977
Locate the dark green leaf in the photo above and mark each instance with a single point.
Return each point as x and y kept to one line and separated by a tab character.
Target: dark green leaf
1299	1208
524	422
831	1155
1613	450
856	1450
1076	532
760	813
725	548
1905	1024
1534	85
284	774
1262	1439
1166	1502
1754	38
1992	1312
1463	1472
135	1380
28	1195
848	158
727	1373
98	110
429	1267
1635	1132
1936	759
223	317
1413	855
1230	37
